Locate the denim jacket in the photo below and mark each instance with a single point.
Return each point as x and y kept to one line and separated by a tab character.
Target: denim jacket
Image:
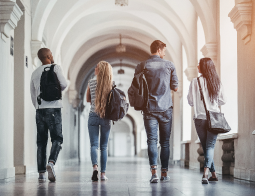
161	78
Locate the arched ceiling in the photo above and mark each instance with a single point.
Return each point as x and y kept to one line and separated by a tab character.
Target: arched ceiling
130	59
82	32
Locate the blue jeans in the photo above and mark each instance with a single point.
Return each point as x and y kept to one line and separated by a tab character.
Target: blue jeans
163	121
208	140
93	126
48	119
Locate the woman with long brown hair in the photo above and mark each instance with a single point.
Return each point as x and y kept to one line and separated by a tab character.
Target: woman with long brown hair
214	97
98	90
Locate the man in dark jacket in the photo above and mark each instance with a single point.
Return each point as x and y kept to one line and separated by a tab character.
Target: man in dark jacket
161	78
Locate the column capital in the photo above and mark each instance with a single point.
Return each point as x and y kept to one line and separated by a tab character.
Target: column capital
210	50
191	72
241	16
35	46
10	14
74	98
76	103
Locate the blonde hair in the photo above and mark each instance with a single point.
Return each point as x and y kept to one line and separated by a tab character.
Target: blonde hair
104	86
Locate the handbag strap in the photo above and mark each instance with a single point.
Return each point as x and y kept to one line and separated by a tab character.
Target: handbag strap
202	96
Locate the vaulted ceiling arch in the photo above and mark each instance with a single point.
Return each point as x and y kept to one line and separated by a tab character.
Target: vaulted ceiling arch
160	8
149	32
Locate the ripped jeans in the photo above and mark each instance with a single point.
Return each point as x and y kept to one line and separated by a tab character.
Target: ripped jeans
48	119
208	140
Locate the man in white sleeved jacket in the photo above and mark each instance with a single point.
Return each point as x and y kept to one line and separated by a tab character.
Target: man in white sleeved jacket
48	117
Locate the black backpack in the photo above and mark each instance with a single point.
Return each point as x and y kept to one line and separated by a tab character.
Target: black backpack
49	86
116	105
138	92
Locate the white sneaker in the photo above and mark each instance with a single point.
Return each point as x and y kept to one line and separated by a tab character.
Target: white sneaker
51	172
205	181
165	178
104	178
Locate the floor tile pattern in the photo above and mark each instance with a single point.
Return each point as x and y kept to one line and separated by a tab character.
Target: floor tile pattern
127	177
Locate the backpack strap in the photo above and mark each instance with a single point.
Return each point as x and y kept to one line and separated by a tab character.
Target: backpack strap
144	66
52	67
113	86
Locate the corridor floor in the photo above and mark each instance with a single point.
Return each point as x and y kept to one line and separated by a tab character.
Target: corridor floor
127	177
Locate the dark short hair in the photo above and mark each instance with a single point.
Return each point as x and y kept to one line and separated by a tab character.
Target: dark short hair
42	53
157	44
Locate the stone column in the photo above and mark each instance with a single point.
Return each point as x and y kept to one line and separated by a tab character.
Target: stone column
19	96
177	124
10	14
74	98
191	72
24	111
243	18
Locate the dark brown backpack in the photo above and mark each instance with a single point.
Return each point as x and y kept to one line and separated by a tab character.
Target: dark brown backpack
138	92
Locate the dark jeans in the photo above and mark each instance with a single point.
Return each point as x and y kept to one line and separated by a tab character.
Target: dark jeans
163	121
48	119
208	140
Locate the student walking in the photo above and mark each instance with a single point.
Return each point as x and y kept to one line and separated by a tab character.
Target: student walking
214	97
48	114
161	79
97	93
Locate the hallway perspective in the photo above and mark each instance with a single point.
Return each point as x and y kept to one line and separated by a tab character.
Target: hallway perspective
78	34
128	176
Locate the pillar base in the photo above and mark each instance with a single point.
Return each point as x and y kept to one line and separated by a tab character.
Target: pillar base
20	169
7	173
245	174
194	165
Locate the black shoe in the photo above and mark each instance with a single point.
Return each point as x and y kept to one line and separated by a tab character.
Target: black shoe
213	179
94	176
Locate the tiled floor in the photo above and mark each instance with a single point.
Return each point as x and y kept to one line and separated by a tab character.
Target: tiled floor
127	176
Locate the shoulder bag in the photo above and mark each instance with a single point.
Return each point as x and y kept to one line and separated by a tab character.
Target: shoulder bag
216	120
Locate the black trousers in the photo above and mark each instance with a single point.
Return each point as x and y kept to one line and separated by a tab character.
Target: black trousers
48	119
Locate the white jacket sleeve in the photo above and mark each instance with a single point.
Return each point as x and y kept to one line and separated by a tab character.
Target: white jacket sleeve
190	96
222	97
33	92
61	78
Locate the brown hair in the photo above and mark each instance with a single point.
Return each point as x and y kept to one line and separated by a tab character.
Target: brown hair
209	72
157	44
104	86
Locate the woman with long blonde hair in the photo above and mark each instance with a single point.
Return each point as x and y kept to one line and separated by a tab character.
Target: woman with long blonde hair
98	90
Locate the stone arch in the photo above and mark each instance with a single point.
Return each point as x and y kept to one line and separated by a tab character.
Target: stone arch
79	40
204	12
165	12
42	11
107	43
